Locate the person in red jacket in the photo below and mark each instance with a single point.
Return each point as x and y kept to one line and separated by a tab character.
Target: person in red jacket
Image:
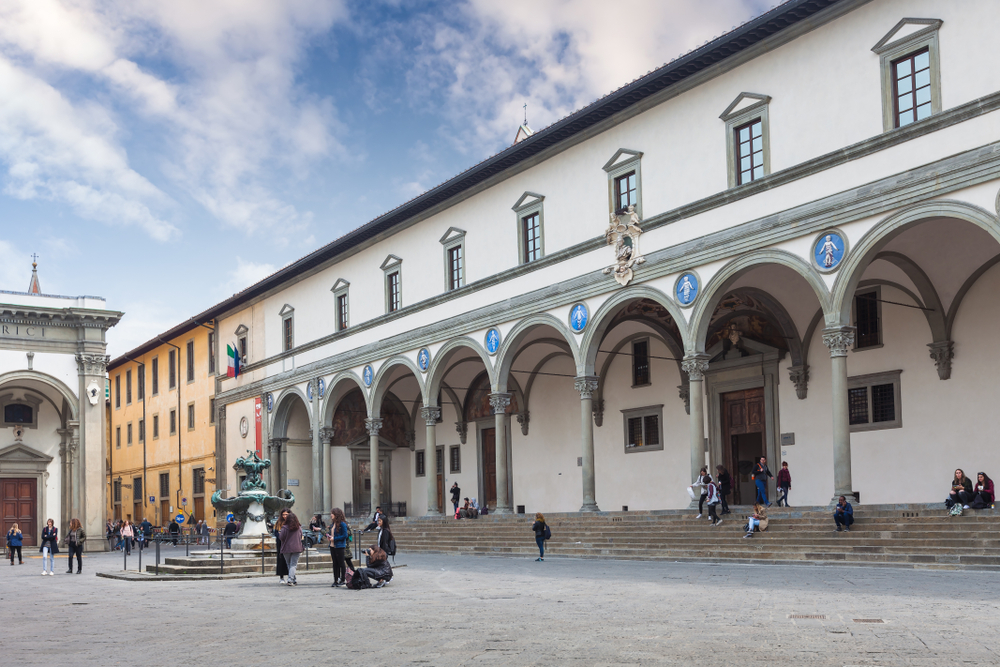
784	483
983	493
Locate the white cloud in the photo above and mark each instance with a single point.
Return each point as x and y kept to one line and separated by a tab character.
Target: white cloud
246	274
15	276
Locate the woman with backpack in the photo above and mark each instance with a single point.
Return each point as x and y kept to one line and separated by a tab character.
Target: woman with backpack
291	545
14	541
378	568
542	533
338	545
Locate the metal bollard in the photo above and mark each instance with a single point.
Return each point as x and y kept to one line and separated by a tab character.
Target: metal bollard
222	555
157	557
140	555
187	543
124	557
262	571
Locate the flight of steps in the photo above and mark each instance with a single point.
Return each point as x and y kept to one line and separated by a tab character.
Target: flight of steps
904	536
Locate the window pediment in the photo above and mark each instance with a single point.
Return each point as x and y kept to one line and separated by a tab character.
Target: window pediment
286	310
390	262
453	234
744	102
622	156
527	199
907	29
340	285
242	330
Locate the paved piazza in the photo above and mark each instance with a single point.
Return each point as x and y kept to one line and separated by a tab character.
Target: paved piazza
451	610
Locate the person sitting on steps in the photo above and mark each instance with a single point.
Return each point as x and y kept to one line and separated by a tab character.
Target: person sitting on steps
983	495
758	520
961	490
843	514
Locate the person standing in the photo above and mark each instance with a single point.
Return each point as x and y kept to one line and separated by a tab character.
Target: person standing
281	566
725	481
784	483
713	499
703	481
174	529
760	475
291	545
50	547
456	494
14	541
338	545
128	533
74	542
540	532
147	531
843	514
385	539
230	532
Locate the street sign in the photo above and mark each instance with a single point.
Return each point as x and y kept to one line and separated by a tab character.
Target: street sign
230	517
184	501
152	499
179	518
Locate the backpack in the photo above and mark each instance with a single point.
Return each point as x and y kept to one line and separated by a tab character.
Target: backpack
548	533
392	546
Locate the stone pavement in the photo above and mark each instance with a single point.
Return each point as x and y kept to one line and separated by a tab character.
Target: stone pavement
461	610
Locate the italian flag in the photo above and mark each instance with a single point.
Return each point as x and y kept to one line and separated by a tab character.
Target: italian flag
233	370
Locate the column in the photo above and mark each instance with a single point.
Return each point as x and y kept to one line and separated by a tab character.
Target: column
695	365
499	403
326	441
65	513
431	415
373	426
89	472
317	453
587	385
840	340
278	460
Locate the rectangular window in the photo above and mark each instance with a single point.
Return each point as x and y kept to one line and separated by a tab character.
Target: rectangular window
156	426
118	437
241	343
211	411
455	459
190	416
128	387
911	83
873	401
420	464
173	422
164	485
142	430
866	319
341	312
454	267
137	490
172	369
288	342
749	152
156	376
198	482
118	391
643	428
625	191
140	382
531	232
118	491
190	361
211	353
640	363
440	460
392	291
128	434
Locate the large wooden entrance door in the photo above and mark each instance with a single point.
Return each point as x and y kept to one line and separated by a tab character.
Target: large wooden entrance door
489	459
363	482
742	439
164	513
19	500
439	457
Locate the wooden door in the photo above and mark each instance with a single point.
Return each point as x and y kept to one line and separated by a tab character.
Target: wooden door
164	513
19	500
490	467
199	508
440	479
742	414
137	512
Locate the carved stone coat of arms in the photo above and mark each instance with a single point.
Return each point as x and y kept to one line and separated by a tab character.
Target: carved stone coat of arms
623	233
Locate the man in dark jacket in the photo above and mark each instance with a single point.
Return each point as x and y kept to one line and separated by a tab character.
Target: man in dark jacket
147	529
456	494
374	524
229	532
760	475
843	514
174	529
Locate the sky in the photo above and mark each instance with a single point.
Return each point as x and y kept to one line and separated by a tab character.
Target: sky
166	155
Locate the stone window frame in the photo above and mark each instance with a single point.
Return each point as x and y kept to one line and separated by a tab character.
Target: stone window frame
140	382
527	205
118	437
128	434
877	289
739	118
161	495
189	367
420	463
118	391
128	386
616	168
287	315
243	343
213	366
341	288
192	422
632	413
194	482
155	375
649	372
33	402
173	358
869	380
889	51
453	238
142	431
173	421
211	410
454	459
156	426
391	265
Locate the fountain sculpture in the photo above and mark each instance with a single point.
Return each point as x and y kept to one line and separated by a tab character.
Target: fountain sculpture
253	507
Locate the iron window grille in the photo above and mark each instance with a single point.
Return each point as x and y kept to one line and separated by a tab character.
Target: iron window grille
873	401
455	459
420	462
640	363
164	485
643	428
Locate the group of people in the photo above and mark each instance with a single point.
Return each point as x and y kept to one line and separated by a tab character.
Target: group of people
968	495
49	547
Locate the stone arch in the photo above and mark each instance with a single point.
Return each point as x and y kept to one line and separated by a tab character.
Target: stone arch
380	384
54	382
509	349
283	410
439	365
871	244
928	295
593	336
722	282
602	375
966	286
341	384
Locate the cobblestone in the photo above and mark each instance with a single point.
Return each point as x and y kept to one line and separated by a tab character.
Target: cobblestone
454	610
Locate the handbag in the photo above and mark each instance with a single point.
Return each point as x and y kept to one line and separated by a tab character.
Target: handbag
348	576
691	493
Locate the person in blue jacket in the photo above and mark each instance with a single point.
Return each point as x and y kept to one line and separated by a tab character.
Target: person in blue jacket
338	546
843	514
14	542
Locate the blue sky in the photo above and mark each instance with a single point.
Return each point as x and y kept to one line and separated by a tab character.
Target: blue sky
165	155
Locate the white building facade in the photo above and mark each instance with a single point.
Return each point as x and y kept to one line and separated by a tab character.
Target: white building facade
783	244
53	365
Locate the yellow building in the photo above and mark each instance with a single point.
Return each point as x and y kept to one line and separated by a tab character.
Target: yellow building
161	447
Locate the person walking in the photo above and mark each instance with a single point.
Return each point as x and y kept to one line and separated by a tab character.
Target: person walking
49	547
760	475
703	481
291	545
456	494
541	532
843	514
14	541
385	540
338	545
725	481
174	529
109	533
74	542
229	532
281	566
128	533
784	483
712	498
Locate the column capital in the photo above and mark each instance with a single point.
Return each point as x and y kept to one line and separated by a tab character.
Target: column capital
463	431
695	365
799	375
586	385
373	425
499	402
431	414
839	340
92	364
277	443
942	352
326	435
523	418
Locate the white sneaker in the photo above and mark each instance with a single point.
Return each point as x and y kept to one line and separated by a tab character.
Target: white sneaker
966	507
719	522
281	581
698	517
44	573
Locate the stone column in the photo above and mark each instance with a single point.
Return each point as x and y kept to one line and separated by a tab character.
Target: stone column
326	440
499	403
279	458
89	475
317	452
587	385
65	512
840	340
431	414
374	425
695	365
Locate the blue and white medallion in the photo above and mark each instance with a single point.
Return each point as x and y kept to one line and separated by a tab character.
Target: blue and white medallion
829	250
493	340
270	401
686	289
322	387
368	375
309	390
423	360
578	317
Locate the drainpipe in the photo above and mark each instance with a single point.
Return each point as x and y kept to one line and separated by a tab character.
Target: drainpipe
144	426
